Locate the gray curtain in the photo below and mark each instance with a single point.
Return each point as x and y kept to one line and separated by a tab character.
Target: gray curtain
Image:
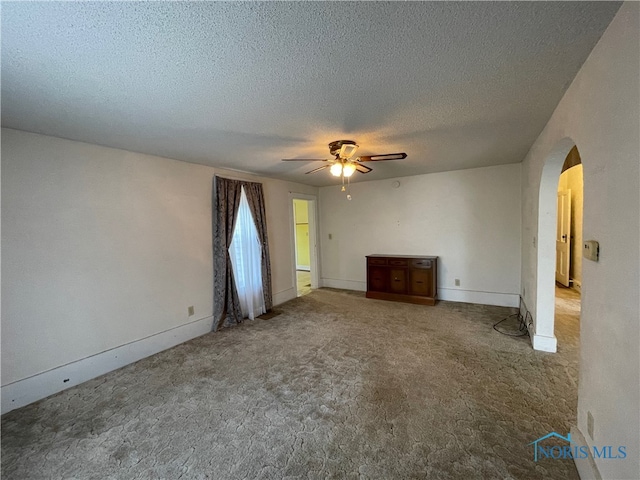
226	200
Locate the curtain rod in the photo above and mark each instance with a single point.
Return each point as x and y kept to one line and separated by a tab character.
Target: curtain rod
235	178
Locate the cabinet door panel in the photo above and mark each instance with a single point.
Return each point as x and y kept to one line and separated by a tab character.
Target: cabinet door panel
398	280
421	282
377	280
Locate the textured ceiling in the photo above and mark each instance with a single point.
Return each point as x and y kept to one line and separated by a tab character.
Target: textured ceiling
242	85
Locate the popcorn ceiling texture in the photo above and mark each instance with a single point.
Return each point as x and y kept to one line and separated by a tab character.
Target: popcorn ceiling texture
336	386
244	84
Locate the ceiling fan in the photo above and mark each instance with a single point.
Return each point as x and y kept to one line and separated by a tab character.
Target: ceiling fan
345	164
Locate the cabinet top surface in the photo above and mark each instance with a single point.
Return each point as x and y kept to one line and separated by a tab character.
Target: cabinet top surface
380	255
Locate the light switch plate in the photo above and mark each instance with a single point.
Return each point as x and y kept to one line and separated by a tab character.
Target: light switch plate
591	250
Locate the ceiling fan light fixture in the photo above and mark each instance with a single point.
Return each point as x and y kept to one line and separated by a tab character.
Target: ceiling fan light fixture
348	169
336	169
348	150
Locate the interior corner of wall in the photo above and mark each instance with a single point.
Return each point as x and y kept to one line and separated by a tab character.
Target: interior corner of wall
587	467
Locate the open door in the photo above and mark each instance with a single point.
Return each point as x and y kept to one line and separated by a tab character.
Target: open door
563	250
301	220
305	258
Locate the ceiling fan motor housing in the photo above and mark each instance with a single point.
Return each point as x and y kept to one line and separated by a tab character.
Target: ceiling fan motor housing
334	147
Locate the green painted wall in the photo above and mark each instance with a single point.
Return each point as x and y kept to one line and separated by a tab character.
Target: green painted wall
301	218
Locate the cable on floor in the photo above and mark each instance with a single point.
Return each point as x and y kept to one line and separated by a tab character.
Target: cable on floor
522	326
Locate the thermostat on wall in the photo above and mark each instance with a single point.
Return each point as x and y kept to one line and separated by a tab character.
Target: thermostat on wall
591	250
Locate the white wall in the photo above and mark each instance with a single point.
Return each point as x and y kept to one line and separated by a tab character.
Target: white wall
600	112
104	247
469	218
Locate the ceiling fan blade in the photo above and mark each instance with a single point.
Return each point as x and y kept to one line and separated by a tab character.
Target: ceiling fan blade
378	158
362	168
318	169
305	159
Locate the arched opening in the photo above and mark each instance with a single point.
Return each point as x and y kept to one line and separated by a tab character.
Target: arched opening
559	245
544	337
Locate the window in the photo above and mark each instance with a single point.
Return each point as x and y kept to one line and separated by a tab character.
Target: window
246	257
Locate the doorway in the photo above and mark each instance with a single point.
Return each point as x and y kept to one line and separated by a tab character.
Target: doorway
559	266
569	223
569	250
305	244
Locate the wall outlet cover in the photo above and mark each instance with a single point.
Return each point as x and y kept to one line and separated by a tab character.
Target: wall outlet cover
190	310
591	250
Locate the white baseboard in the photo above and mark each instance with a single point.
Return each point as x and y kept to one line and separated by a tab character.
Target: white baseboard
284	296
345	284
452	295
483	298
544	343
587	468
39	386
303	268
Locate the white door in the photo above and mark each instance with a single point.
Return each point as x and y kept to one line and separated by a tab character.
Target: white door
563	250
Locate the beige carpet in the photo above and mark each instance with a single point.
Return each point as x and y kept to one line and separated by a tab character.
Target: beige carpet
336	386
303	281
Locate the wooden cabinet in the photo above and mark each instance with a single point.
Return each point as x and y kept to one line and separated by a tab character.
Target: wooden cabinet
403	278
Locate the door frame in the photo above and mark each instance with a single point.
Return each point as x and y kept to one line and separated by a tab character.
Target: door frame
314	257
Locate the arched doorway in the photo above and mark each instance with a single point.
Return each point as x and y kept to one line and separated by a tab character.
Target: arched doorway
544	337
559	242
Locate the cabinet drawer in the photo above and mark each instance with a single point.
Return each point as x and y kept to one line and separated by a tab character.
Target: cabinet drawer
376	261
398	262
421	263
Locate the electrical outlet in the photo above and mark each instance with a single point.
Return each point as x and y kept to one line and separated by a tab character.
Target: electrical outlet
457	281
590	424
190	310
